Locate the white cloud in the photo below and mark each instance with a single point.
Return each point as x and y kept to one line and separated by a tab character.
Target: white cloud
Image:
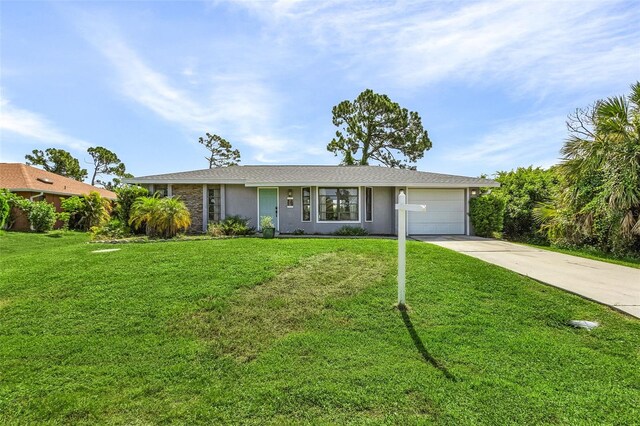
537	47
34	126
522	142
238	106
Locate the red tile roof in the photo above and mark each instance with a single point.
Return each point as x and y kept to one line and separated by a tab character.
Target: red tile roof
20	177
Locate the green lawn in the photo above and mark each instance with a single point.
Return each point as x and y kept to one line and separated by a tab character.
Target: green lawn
298	331
632	262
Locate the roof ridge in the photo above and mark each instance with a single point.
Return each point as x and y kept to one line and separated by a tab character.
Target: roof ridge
25	174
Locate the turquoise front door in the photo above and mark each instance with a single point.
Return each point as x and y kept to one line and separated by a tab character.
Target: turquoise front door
268	204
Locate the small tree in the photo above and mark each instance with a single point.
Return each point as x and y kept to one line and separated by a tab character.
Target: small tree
486	213
105	162
221	152
57	161
377	129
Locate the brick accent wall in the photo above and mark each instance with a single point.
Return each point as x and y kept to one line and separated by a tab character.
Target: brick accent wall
191	195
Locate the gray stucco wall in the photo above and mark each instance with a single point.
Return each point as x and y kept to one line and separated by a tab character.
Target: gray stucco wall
383	212
243	201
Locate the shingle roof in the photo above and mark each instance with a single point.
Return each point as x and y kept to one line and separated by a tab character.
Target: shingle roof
20	177
314	175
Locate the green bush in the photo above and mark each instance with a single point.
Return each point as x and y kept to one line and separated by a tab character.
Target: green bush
522	190
232	225
486	213
73	206
63	217
41	215
127	195
5	208
95	211
351	231
87	211
115	228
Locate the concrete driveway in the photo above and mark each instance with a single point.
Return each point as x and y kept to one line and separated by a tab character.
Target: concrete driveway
613	285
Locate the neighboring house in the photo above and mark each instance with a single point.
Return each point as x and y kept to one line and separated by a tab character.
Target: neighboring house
37	185
321	199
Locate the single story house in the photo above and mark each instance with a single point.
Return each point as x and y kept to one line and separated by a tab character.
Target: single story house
37	185
321	199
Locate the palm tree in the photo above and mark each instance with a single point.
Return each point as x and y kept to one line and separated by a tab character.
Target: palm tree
171	216
600	174
161	216
143	211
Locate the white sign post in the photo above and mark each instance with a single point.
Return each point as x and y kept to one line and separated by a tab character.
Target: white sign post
403	208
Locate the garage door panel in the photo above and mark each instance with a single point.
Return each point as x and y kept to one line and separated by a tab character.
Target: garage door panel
444	215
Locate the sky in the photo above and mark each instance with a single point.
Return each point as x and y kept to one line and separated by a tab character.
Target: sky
492	80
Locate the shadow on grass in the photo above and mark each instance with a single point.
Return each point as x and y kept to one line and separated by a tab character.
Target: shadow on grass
421	349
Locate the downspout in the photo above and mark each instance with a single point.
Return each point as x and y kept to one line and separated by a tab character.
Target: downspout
36	196
31	199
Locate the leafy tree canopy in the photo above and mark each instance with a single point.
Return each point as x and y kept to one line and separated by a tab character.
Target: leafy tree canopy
105	162
57	161
221	153
598	201
374	128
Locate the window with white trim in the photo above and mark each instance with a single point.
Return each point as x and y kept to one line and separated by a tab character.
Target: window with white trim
338	204
161	190
214	204
368	204
306	204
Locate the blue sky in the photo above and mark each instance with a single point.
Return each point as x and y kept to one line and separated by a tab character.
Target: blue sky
493	81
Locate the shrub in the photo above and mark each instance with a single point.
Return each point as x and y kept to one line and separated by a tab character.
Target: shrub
42	216
351	231
161	216
522	190
298	231
127	195
95	211
73	206
115	228
232	225
63	217
5	208
486	213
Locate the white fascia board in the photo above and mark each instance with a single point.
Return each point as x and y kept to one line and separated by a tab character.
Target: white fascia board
44	191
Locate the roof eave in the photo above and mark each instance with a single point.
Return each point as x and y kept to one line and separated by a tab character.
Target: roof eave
381	184
44	191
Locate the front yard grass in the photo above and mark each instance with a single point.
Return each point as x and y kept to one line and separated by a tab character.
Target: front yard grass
298	331
632	262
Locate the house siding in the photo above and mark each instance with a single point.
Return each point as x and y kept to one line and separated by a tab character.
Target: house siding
191	195
242	201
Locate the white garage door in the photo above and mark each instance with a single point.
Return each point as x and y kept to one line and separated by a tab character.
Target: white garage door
445	211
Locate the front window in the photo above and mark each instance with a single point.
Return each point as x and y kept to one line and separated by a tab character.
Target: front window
338	204
161	190
214	204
